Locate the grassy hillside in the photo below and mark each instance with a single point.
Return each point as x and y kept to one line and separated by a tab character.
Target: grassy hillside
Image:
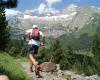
90	30
81	62
82	39
11	68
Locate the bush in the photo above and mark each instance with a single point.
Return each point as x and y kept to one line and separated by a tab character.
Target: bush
11	68
17	48
83	64
64	64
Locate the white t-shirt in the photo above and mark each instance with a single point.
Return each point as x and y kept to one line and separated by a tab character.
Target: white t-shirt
32	41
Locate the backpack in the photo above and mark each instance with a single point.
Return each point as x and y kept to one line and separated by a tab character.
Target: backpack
36	34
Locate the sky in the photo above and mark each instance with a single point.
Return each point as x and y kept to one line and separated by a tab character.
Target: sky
53	6
57	4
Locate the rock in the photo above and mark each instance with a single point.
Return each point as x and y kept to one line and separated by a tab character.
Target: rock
48	66
3	77
58	67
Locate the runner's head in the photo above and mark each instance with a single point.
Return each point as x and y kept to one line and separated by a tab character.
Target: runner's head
35	26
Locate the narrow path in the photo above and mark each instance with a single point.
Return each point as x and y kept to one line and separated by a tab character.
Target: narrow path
46	76
50	76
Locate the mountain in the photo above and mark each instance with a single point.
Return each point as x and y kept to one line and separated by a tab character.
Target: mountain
83	38
69	20
69	9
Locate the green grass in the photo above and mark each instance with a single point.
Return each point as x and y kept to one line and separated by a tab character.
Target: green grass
22	59
90	30
11	68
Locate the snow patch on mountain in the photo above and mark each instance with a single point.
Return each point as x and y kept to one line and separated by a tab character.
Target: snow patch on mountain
10	13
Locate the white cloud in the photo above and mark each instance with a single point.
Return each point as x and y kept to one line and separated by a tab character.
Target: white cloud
41	8
51	10
44	9
28	11
72	6
10	12
50	2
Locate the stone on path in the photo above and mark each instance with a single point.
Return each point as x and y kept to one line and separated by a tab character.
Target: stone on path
48	67
3	77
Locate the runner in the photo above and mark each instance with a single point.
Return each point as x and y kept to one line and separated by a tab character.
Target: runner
34	42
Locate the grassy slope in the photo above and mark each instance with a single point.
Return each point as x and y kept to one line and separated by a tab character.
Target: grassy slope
11	68
82	37
90	30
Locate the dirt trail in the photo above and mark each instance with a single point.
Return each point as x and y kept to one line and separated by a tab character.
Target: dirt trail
46	75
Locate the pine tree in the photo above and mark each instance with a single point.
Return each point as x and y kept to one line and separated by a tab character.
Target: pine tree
4	32
96	46
57	52
8	3
70	50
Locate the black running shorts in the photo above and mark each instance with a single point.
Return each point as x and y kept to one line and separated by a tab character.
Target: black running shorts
33	49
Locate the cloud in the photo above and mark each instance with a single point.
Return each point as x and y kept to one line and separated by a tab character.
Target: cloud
41	8
52	11
44	9
10	12
50	2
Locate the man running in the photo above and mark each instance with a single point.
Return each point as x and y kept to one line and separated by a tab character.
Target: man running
34	42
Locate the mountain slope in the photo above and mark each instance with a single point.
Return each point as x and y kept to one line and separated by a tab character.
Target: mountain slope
70	20
83	38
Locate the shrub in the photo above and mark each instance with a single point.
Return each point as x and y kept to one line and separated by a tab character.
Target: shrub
17	48
11	68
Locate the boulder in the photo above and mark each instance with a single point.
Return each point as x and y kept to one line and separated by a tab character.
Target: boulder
48	67
3	77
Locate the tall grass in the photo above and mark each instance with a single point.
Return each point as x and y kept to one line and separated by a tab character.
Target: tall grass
11	68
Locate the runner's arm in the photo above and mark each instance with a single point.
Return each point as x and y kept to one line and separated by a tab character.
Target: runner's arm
27	34
43	37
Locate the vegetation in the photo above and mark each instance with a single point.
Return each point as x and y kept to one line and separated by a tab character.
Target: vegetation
8	3
82	61
96	46
17	48
11	68
72	60
56	52
4	33
87	29
78	51
8	65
